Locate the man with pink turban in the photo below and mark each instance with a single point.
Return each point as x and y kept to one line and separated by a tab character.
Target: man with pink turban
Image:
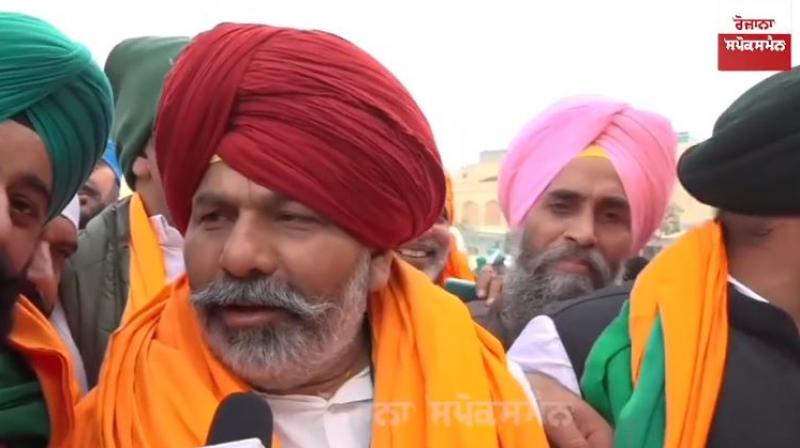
584	187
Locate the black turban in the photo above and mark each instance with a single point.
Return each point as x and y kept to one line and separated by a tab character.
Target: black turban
751	164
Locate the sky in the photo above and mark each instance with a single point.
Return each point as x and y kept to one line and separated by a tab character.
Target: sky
478	69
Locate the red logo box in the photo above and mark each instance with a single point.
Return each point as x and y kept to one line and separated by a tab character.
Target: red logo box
753	50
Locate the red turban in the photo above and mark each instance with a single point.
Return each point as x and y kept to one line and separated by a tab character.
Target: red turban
306	114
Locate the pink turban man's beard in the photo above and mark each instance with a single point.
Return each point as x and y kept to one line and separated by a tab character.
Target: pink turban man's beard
291	353
532	284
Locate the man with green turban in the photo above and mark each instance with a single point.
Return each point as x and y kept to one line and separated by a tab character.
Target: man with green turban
55	116
130	247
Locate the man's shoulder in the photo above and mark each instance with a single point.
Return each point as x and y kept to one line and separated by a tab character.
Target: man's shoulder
116	213
110	224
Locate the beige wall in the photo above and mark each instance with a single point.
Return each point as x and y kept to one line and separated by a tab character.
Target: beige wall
693	212
477	185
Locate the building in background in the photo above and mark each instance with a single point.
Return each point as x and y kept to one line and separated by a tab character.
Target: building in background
684	211
691	212
479	219
477	212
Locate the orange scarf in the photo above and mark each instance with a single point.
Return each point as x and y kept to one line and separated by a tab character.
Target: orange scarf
148	275
39	343
457	265
687	285
160	385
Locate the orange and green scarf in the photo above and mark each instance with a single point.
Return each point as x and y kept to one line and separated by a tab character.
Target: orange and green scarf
655	373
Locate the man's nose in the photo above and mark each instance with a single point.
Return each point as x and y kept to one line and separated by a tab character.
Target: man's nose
248	250
581	230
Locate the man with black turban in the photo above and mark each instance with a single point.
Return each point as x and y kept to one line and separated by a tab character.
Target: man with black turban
55	114
294	163
705	350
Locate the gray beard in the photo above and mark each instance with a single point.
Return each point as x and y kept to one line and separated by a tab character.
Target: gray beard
530	287
287	354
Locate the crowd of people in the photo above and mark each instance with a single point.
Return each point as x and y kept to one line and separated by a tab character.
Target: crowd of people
288	236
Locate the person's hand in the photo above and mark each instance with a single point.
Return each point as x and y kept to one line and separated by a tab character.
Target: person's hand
489	285
568	421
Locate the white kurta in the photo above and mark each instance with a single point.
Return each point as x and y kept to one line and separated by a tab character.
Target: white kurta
345	420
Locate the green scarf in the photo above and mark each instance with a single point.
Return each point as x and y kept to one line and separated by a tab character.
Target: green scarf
638	416
675	327
23	411
64	94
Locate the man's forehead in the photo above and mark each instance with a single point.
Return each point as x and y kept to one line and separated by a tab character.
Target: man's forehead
224	184
588	177
23	156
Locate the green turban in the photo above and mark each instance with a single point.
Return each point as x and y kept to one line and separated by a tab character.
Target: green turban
63	93
136	68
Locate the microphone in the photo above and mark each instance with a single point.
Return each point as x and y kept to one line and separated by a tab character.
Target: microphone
242	420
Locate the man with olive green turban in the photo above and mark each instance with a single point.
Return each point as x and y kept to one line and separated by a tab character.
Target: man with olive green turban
130	249
55	116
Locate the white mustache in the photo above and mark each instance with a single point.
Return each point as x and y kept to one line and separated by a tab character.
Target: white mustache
264	291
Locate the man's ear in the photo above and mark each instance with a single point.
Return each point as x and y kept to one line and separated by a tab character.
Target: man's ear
380	269
142	168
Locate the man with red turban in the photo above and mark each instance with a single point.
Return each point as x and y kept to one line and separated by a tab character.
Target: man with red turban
294	164
436	252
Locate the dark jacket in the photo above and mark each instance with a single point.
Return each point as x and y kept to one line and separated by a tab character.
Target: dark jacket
94	285
759	402
604	304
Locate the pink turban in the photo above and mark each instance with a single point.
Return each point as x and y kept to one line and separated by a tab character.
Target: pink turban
641	146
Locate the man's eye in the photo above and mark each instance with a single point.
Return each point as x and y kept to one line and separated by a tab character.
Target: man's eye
559	207
213	220
295	218
25	211
23	206
211	217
